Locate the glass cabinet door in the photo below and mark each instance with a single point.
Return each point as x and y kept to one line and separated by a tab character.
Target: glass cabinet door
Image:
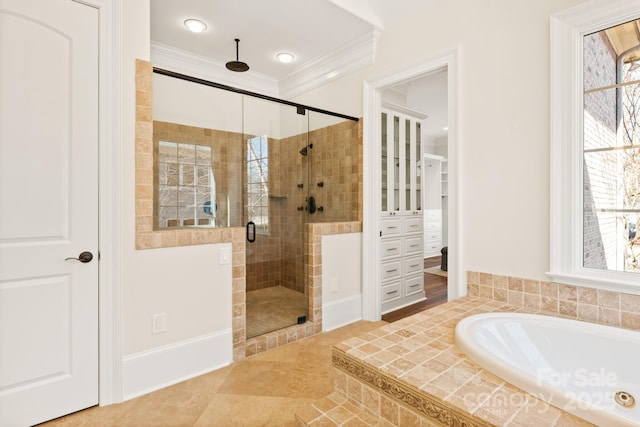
401	153
383	156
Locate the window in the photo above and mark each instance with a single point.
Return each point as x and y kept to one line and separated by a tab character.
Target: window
187	188
258	182
595	146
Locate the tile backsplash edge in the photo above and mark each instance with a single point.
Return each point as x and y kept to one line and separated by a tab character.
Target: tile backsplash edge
574	302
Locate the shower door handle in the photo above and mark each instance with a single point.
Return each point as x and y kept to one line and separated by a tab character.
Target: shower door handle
251	231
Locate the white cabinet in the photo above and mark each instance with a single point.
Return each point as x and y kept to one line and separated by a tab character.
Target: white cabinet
435	184
432	232
402	243
402	275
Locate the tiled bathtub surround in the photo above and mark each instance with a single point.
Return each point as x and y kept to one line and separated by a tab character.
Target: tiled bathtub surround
411	373
573	302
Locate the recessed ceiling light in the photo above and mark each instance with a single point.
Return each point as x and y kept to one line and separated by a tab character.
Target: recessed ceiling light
195	25
445	128
285	57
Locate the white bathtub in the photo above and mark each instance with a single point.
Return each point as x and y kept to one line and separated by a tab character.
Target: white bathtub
576	366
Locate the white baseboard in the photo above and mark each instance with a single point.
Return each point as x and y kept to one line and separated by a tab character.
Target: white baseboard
341	313
161	367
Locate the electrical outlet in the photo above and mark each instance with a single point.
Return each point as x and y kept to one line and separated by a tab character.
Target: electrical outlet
159	322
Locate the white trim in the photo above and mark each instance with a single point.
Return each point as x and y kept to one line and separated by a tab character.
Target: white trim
341	313
457	282
110	199
151	370
567	30
351	57
182	61
314	73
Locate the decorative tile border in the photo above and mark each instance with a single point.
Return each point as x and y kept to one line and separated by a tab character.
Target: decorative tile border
427	405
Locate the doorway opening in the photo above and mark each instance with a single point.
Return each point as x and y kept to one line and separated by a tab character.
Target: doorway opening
427	95
431	86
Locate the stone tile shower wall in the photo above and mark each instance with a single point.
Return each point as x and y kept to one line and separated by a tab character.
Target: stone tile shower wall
334	163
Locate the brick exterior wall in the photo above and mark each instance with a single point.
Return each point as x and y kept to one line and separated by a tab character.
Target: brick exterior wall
601	168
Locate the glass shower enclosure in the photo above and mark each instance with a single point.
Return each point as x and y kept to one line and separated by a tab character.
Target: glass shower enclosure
227	158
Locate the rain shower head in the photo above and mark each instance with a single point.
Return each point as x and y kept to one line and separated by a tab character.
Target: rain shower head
304	149
237	65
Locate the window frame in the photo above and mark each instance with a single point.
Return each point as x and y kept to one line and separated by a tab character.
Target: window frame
568	28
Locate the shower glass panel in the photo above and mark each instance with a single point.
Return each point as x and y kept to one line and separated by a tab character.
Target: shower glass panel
277	206
197	137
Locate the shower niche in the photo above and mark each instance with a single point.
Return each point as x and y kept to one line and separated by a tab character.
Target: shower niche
228	159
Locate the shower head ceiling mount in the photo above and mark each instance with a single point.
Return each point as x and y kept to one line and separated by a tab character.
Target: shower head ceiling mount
237	65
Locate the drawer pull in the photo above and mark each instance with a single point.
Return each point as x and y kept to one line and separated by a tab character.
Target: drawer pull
392	227
414	246
391	271
392	249
413	286
391	293
415	265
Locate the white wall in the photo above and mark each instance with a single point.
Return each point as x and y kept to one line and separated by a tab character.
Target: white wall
341	280
503	119
188	283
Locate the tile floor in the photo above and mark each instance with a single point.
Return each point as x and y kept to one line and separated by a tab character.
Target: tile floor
263	390
274	308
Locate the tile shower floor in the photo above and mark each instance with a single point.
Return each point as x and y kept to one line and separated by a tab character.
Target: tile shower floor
263	390
273	308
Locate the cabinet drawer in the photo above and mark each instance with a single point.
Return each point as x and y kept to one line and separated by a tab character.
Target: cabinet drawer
433	246
432	214
430	235
412	225
412	246
413	285
391	227
391	292
431	226
413	265
391	270
391	248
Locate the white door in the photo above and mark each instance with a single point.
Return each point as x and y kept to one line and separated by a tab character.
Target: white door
48	209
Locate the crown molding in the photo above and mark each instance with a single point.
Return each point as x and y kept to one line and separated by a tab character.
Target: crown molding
185	62
351	57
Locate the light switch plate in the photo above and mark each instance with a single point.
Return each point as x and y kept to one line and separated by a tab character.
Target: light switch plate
225	256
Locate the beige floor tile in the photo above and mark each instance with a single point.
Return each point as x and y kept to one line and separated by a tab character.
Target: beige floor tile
251	411
263	390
